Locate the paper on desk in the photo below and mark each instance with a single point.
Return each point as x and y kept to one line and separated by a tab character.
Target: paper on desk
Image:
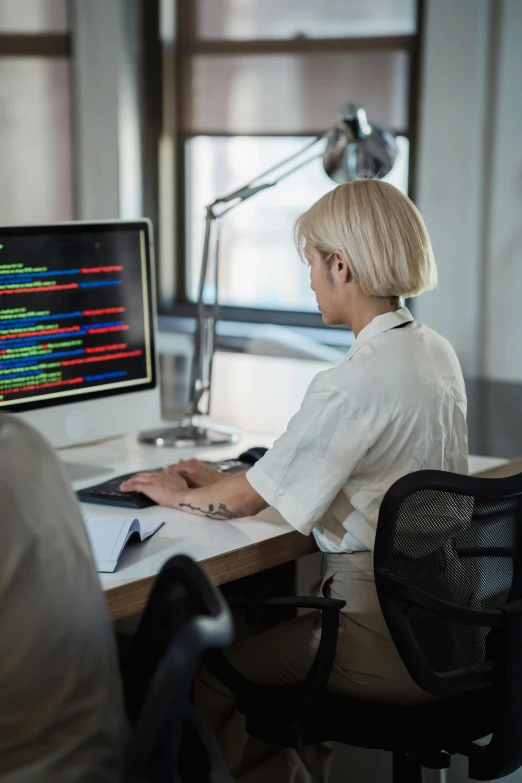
108	536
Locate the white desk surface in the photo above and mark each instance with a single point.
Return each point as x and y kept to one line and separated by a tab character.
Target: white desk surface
256	394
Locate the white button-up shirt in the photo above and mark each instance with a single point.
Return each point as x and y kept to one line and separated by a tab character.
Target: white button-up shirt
395	405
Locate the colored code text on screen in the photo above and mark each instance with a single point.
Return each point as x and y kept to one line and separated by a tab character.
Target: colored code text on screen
73	314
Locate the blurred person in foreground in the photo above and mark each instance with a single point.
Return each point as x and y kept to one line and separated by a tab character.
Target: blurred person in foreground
61	709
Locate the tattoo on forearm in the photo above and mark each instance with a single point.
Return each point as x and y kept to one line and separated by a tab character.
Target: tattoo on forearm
221	512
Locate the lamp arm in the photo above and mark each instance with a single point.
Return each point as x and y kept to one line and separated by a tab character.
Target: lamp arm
248	193
204	336
239	192
207	314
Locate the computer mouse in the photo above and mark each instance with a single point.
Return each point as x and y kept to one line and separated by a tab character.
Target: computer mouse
251	456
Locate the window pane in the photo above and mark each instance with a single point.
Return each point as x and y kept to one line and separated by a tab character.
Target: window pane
290	93
259	266
35	164
244	19
33	16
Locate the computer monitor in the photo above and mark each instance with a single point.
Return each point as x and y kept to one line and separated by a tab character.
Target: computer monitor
77	328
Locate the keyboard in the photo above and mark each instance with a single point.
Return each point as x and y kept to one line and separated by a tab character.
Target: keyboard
108	493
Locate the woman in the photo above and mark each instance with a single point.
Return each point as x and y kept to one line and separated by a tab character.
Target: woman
395	405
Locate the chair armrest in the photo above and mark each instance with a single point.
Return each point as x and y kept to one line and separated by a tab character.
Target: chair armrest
296	602
317	678
416	596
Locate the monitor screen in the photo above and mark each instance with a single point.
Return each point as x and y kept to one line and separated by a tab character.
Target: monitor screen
76	313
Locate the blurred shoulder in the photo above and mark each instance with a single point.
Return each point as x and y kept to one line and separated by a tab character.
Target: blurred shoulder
18	434
23	449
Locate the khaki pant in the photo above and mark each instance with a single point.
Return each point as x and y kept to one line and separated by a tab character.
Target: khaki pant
367	666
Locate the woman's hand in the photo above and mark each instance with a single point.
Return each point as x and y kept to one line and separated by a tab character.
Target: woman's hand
227	498
166	487
196	473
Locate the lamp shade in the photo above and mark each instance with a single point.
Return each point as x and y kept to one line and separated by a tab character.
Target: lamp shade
356	149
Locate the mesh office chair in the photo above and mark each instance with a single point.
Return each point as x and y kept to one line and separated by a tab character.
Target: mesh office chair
185	616
448	558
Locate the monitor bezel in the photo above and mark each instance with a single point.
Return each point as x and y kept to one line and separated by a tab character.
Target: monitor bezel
72	227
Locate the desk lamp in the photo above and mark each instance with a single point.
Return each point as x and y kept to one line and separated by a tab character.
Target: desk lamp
354	149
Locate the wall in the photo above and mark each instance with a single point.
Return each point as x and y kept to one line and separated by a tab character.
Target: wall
503	282
469	184
106	109
449	183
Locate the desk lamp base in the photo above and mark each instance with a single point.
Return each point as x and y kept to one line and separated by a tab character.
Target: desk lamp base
187	433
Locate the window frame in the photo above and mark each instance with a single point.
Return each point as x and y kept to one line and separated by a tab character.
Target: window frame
57	45
187	45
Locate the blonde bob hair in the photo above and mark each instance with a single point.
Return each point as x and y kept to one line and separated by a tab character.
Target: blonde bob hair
380	232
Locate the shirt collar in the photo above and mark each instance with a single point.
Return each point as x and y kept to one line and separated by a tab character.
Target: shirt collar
380	324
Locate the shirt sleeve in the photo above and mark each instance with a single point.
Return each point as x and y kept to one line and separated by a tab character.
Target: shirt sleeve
307	466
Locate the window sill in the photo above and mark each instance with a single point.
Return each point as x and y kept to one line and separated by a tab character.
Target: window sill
267	339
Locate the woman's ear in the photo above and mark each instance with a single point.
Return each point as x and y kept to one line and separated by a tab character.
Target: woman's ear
341	268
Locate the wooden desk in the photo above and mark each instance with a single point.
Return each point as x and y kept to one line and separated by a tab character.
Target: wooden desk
130	598
259	395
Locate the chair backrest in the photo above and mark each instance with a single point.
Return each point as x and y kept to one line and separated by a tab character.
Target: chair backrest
448	571
185	616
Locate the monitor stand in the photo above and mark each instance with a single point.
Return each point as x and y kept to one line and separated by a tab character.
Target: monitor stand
78	471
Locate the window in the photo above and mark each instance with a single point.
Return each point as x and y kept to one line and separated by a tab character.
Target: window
35	125
259	230
258	80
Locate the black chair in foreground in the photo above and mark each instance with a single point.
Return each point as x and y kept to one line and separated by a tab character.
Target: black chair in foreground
448	571
185	616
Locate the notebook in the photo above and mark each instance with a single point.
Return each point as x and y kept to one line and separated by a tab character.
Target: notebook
108	536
